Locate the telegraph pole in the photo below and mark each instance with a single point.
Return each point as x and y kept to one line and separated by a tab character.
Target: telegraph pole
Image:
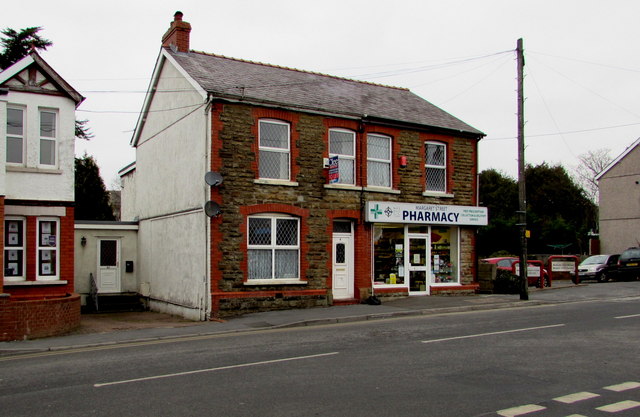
524	285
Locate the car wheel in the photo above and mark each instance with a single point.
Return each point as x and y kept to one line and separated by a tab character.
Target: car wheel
602	277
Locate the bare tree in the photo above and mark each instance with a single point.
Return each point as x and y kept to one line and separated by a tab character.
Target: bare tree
591	164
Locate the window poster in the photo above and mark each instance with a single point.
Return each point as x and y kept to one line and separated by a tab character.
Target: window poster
12	255
13	227
45	269
12	269
45	227
44	240
13	239
46	255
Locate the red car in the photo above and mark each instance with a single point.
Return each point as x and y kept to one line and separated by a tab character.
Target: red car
506	263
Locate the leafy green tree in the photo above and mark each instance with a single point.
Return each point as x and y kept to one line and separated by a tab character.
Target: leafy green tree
92	197
559	213
16	45
499	194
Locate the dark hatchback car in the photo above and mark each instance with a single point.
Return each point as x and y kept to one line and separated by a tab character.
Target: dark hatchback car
629	264
602	268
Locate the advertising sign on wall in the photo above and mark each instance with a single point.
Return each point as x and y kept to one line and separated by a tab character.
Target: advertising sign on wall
392	212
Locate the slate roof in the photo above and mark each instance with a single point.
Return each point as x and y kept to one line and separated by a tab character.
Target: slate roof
256	82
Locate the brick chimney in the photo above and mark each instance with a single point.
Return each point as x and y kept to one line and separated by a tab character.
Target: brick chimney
178	34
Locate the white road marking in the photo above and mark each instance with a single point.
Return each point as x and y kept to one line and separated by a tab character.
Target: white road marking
627	317
521	410
617	407
492	333
625	386
574	398
199	371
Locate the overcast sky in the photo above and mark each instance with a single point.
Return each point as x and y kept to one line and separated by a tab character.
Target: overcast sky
582	68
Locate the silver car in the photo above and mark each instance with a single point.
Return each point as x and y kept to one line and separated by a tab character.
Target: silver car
599	267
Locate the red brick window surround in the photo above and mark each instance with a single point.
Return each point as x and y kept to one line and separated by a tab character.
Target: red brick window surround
379	160
273	247
435	167
274	143
342	145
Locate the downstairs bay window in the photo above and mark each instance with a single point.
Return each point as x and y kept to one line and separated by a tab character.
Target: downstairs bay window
273	248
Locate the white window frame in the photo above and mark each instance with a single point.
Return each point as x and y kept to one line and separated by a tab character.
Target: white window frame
41	247
43	138
286	150
22	248
428	166
22	137
340	156
387	161
273	247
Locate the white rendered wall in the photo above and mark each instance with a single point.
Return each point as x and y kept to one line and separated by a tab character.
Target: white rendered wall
32	181
620	205
3	145
169	192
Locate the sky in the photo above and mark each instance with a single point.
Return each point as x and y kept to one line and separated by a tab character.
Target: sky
582	66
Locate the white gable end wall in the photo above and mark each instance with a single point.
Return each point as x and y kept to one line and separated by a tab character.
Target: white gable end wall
620	204
172	156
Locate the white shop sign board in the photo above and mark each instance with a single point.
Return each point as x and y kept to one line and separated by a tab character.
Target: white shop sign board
409	213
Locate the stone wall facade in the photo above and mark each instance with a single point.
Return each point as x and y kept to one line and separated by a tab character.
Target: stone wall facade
309	197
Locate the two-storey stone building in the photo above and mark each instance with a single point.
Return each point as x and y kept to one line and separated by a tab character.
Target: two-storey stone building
261	187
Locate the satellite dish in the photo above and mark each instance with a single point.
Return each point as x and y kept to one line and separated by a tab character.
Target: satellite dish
213	178
212	209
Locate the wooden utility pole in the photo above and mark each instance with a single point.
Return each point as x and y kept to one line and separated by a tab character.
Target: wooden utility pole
524	285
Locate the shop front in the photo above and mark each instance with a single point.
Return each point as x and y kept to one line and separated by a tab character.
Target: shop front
417	247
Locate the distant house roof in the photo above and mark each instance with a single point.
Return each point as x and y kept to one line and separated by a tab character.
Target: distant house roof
258	83
618	159
52	76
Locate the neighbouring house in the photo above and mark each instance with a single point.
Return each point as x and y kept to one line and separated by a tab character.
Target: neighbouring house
259	187
37	113
105	265
619	186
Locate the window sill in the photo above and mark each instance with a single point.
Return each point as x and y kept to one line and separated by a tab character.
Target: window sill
12	168
342	187
292	281
276	182
33	283
382	190
437	194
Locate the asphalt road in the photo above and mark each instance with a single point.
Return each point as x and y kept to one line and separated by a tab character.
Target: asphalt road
501	362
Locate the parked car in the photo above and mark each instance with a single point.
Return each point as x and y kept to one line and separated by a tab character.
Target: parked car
602	268
629	264
506	263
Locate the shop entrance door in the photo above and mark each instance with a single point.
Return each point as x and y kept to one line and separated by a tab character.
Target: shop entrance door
343	266
418	265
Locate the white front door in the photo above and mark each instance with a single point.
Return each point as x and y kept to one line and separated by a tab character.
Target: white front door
342	266
108	265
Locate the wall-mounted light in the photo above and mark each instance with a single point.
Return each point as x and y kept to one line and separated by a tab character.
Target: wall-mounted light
403	162
83	241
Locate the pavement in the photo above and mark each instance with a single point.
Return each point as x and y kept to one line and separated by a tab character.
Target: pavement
119	328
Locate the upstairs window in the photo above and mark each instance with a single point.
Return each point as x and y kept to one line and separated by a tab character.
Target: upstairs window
274	144
378	161
48	134
14	247
342	143
273	247
15	136
436	167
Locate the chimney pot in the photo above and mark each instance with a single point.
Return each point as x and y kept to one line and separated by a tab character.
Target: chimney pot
177	36
177	16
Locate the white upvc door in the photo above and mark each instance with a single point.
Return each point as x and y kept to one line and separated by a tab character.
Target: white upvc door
108	266
343	282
